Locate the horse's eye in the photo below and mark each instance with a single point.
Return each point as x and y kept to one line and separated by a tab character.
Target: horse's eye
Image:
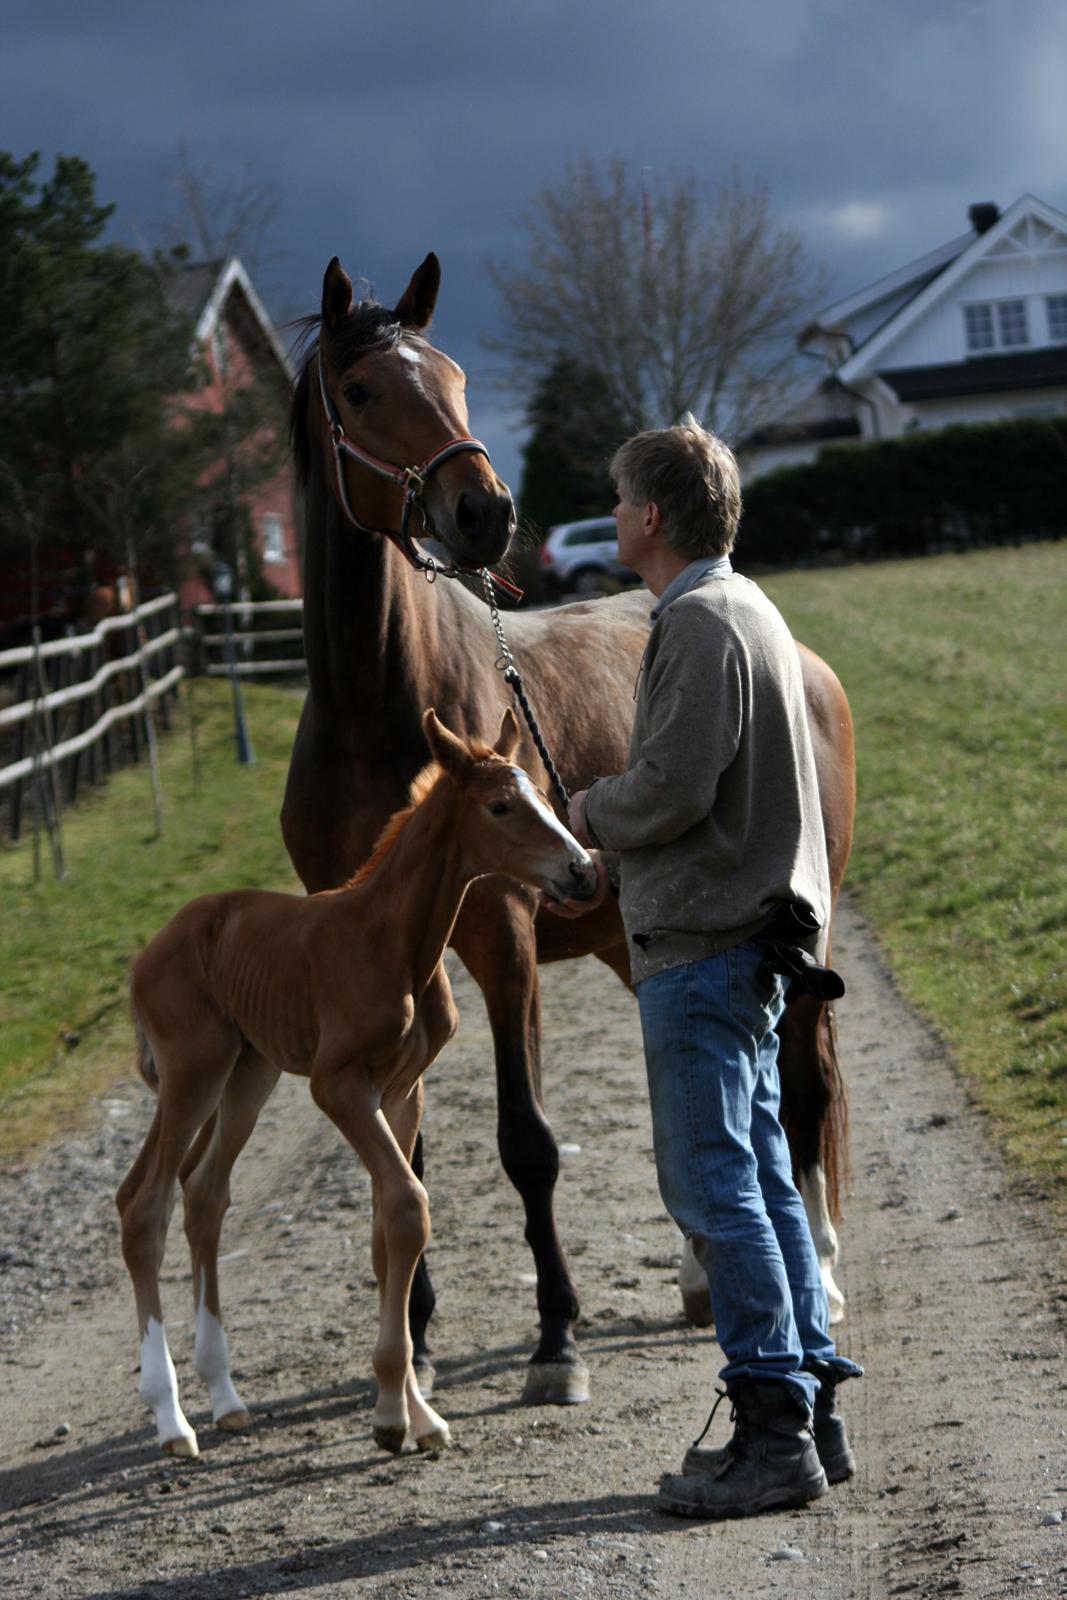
356	395
499	808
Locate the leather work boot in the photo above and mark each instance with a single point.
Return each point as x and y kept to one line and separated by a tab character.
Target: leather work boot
770	1462
831	1439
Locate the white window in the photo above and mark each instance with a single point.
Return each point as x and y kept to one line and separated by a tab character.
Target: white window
995	325
1056	306
273	538
978	321
1011	323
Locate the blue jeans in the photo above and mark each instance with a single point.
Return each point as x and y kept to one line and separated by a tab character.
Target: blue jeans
723	1163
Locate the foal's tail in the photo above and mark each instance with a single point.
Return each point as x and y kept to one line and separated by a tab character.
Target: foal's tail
146	1061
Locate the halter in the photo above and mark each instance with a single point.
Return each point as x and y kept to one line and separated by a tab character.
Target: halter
412	480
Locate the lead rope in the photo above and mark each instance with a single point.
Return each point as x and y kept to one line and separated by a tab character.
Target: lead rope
505	663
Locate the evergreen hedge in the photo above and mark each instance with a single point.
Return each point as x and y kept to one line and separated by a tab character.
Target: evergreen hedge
956	489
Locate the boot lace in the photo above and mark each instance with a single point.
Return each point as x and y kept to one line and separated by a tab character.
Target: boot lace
737	1444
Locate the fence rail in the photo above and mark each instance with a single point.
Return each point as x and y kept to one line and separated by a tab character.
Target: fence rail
248	639
81	704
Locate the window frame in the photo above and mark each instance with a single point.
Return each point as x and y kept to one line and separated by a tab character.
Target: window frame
1059	301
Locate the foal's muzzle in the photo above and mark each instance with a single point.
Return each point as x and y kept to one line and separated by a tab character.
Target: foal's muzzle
583	879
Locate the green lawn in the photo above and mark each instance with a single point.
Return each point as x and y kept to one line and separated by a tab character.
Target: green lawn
956	668
65	947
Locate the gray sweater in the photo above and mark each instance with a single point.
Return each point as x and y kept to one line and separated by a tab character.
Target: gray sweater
717	818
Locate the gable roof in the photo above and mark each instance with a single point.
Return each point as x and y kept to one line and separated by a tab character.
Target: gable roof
995	240
915	276
202	289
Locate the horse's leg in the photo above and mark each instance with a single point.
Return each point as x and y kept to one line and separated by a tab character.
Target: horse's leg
421	1302
403	1112
189	1089
402	1219
500	956
205	1179
814	1116
692	1279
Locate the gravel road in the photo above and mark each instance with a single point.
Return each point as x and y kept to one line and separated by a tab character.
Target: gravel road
956	1302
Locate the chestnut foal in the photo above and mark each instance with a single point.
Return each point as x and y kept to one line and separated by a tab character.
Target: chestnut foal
348	988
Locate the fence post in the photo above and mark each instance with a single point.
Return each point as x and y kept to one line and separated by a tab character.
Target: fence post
223	579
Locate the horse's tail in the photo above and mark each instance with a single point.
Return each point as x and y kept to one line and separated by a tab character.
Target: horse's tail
833	1135
146	1061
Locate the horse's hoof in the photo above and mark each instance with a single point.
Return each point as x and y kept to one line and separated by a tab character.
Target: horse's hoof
556	1383
234	1421
835	1299
437	1439
183	1445
424	1378
696	1307
390	1438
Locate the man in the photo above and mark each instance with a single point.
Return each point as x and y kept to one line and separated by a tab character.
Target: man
718	831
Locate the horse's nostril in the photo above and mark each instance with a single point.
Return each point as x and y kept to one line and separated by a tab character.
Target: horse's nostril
488	515
582	874
467	512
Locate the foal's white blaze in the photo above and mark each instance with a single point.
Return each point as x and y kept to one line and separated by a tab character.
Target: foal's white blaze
158	1388
529	791
813	1193
211	1359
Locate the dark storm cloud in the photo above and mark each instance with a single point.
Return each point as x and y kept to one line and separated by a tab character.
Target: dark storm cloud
394	129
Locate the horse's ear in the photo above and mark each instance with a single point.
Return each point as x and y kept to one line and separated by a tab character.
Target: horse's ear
415	307
450	753
507	740
336	296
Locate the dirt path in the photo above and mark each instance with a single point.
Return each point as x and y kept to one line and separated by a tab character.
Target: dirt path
955	1306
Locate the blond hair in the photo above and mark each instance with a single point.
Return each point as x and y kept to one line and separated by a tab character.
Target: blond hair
692	477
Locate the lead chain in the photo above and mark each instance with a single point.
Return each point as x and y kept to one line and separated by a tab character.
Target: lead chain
505	663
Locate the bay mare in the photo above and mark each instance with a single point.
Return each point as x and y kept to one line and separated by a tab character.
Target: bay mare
347	988
382	643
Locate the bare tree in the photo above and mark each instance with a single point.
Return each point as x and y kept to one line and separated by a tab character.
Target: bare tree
679	297
225	216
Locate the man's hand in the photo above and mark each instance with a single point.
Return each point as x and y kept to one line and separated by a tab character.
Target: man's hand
578	908
576	817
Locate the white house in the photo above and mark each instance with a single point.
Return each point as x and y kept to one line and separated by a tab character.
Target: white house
975	331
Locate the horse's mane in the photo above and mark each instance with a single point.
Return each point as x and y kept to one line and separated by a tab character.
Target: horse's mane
421	785
369	326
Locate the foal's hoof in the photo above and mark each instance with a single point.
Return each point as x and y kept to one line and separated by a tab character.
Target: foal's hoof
437	1439
424	1378
389	1438
696	1307
234	1421
556	1383
183	1445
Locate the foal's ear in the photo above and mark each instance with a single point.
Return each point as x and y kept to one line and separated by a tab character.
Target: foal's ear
336	296
450	753
415	307
507	740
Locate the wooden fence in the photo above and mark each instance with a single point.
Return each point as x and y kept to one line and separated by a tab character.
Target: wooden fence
262	651
73	710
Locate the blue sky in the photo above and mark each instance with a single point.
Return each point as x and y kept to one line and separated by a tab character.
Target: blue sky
390	130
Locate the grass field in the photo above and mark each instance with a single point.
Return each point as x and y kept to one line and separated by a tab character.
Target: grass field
957	673
65	947
956	668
